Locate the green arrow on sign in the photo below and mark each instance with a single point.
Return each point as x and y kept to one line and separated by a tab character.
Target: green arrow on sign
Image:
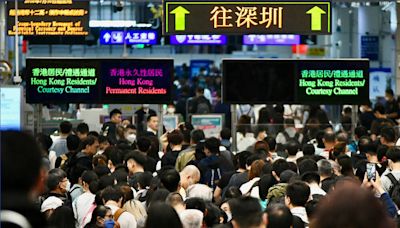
316	18
180	13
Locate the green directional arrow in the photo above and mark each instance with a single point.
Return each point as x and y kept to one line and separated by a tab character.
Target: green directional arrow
180	19
316	18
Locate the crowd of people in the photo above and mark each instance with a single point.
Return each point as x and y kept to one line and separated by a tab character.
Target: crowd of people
130	176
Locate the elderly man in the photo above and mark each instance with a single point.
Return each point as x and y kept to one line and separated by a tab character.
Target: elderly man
190	175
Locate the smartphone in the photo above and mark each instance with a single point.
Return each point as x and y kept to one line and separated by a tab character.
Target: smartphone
371	171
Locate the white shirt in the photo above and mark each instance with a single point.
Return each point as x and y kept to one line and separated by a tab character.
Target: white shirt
81	207
316	190
125	220
246	187
52	159
301	213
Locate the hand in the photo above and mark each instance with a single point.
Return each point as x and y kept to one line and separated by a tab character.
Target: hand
377	184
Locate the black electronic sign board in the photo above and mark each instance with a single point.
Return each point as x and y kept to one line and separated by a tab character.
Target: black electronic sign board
339	81
111	81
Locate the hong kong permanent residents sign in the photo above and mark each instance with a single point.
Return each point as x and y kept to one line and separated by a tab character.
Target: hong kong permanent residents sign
242	17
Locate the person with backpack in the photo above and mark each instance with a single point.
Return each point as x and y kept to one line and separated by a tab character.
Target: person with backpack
213	166
390	178
200	104
289	133
113	198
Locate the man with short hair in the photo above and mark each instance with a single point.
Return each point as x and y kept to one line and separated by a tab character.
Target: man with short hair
189	175
109	129
247	213
292	148
82	130
388	136
393	156
329	140
279	216
170	179
152	124
60	142
187	155
297	195
135	162
200	191
58	186
112	198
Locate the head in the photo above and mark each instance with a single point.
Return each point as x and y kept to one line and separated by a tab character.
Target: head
297	194
241	159
292	147
116	116
90	145
352	209
199	91
388	136
307	165
175	200
65	127
62	216
196	136
346	165
225	134
271	143
365	144
58	182
88	178
160	214
324	168
175	138
279	216
246	212
279	166
329	139
112	194
393	155
211	146
189	175
152	122
73	142
256	169
389	95
200	191
143	144
82	130
288	123
100	215
130	133
192	218
308	149
135	161
360	131
170	179
311	178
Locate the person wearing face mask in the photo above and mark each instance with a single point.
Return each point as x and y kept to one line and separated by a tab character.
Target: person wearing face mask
101	217
58	186
141	117
130	133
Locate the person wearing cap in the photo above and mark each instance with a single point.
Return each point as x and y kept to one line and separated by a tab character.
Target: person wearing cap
49	205
58	186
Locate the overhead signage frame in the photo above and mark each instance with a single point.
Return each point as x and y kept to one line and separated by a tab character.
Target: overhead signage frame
237	17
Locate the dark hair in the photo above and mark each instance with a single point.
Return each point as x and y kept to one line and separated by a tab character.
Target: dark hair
298	193
151	115
308	149
388	134
213	215
196	203
99	211
93	134
73	142
352	209
65	127
114	112
160	195
212	144
170	180
271	142
82	128
246	211
381	150
62	217
136	156
346	165
102	170
88	141
226	133
292	147
20	161
144	179
233	192
279	166
241	158
389	91
279	216
89	176
160	214
106	181
307	165
393	154
360	131
114	155
175	137
289	122
55	177
365	145
329	136
312	206
311	177
143	143
111	193
197	135
45	141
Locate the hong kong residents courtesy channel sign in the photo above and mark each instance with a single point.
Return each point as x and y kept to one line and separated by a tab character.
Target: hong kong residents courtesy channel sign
113	81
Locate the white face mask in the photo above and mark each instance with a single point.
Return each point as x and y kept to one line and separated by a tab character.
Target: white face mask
68	186
131	138
171	110
100	151
229	215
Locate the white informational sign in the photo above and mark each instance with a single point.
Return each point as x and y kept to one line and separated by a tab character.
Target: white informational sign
170	122
10	108
211	124
379	80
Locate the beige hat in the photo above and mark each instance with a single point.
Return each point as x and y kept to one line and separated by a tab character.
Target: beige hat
51	203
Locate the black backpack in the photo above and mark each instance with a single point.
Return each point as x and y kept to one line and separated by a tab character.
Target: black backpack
395	188
288	138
